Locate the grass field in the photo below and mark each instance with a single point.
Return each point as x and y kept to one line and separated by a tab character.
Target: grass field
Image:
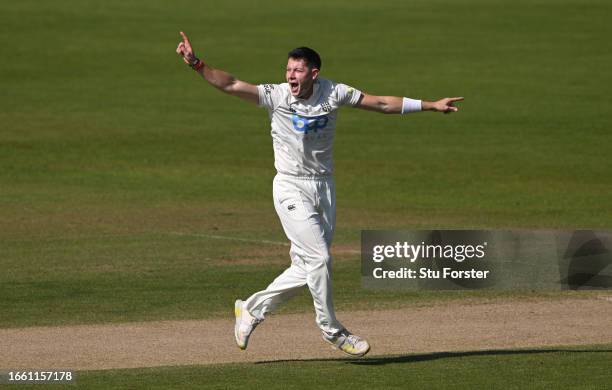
117	164
503	369
576	368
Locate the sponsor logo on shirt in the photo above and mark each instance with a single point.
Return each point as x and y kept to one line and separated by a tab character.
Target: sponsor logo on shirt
268	88
306	124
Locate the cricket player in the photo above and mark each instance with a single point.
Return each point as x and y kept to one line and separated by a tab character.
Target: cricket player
303	119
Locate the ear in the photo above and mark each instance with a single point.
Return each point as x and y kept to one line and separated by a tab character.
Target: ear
315	73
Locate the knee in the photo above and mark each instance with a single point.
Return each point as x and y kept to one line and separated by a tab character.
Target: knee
321	260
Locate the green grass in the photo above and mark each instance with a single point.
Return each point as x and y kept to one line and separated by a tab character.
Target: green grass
576	368
153	277
109	145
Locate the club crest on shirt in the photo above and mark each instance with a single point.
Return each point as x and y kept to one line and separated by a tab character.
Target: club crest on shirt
306	124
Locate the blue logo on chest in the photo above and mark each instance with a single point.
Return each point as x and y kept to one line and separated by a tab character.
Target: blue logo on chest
306	124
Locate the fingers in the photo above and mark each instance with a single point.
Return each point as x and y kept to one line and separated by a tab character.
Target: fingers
450	109
448	104
180	50
186	40
184	48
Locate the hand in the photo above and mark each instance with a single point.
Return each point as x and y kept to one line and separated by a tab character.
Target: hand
445	105
184	50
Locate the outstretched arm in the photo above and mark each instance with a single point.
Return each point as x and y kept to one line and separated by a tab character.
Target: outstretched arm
217	78
399	105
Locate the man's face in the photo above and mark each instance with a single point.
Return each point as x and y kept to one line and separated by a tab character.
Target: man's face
300	77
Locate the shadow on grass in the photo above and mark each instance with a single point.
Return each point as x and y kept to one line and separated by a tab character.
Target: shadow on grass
414	358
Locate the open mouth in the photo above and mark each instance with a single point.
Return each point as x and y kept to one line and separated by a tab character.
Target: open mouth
294	86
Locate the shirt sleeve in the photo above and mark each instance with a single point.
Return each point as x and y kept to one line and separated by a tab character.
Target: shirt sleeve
269	95
347	95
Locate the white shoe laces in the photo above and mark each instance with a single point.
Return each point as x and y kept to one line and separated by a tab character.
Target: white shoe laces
250	320
254	321
353	340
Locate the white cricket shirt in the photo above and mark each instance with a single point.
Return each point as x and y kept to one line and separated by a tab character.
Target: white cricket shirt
303	129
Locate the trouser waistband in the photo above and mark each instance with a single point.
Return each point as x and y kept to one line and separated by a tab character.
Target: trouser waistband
304	177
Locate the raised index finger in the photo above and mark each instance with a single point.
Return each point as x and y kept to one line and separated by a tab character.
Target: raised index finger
456	99
185	39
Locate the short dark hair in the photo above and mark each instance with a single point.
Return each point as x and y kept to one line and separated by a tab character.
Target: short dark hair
312	58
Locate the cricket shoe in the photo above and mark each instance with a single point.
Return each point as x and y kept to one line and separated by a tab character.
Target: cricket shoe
245	324
348	343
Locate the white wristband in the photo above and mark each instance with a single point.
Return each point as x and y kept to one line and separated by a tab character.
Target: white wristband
411	105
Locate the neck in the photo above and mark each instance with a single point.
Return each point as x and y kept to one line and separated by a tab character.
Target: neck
305	95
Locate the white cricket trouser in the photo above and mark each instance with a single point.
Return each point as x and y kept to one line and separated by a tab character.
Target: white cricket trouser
307	210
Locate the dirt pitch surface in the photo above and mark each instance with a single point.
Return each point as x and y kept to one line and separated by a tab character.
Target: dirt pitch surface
454	326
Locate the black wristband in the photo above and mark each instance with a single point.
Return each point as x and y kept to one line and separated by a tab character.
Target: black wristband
199	65
194	62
